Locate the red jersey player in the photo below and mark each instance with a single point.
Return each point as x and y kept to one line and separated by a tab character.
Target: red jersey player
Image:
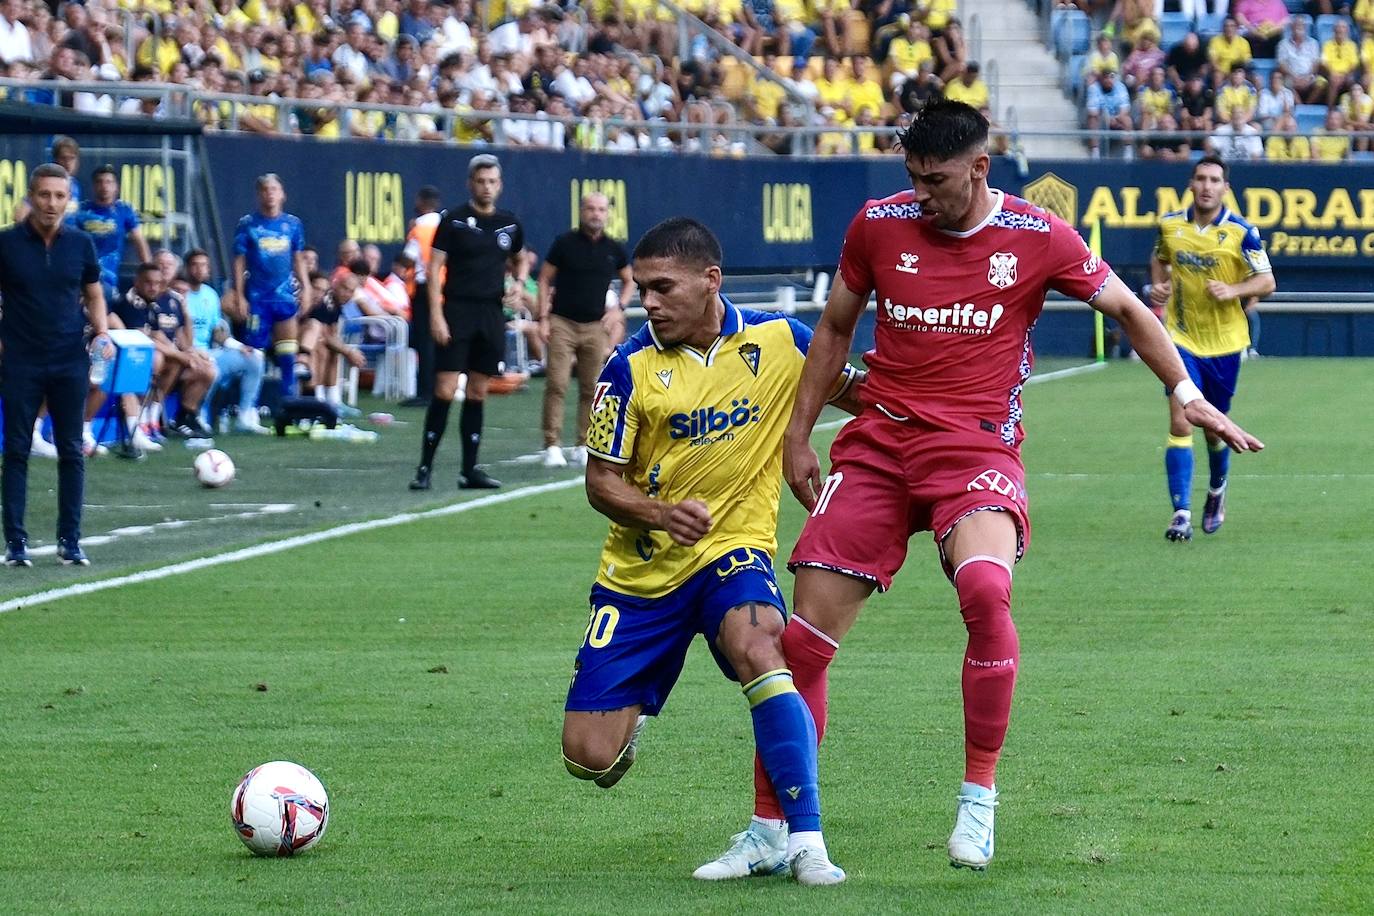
960	272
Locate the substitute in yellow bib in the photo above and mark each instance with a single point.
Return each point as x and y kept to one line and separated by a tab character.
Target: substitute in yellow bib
1207	262
685	459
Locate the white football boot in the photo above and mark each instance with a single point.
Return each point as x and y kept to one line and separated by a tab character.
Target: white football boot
759	851
970	845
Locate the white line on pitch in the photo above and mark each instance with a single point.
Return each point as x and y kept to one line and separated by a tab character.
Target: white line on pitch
114	534
301	540
271	547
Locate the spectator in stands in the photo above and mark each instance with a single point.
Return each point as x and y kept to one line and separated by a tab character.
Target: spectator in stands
1162	143
1275	100
759	27
1237	139
1299	60
1330	144
971	90
574	85
864	90
1262	23
347	252
1103	59
829	23
235	363
1196	107
907	52
573	284
951	52
1133	19
1357	107
1340	62
1363	17
1186	60
1108	104
1285	144
16	45
1157	101
1226	50
914	93
1144	57
1236	93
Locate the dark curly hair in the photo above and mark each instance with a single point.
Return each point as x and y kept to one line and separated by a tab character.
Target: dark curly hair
943	129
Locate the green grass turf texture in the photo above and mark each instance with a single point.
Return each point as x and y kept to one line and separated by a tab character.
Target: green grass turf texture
1190	733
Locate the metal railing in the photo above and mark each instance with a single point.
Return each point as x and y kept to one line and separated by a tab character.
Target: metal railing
221	111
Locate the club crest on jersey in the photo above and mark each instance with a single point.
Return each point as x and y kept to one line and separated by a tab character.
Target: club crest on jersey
1002	269
908	263
750	354
665	376
503	240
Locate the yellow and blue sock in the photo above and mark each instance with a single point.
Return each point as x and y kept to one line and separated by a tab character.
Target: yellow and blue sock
284	351
1219	463
785	736
1178	467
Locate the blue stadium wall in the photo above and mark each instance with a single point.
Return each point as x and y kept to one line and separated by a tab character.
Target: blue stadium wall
784	214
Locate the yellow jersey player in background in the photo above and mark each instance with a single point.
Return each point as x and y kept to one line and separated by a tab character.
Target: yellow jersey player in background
1207	262
685	459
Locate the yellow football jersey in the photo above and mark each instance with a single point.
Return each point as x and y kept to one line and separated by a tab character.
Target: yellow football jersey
694	425
1226	249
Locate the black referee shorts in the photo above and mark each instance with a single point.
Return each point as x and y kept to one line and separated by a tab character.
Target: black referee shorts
478	338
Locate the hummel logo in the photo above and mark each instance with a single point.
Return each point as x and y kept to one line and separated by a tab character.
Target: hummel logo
908	265
794	792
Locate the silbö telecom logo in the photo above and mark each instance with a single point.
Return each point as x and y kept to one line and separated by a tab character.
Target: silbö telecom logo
707	425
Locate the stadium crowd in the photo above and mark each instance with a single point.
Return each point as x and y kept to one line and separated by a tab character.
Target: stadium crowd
1257	82
609	68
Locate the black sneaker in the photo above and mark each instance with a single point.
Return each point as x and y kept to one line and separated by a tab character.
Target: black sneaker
17	553
200	430
71	554
421	481
416	401
477	479
182	430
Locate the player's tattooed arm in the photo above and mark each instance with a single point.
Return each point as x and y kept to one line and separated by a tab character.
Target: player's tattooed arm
613	496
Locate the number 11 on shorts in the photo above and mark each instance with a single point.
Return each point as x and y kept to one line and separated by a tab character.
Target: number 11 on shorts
832	483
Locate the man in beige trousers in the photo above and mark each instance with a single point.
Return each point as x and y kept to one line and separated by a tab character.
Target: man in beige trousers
572	307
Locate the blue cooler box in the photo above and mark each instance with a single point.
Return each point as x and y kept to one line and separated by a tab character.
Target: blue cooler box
131	368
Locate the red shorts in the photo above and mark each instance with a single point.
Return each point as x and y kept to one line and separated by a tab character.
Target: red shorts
891	478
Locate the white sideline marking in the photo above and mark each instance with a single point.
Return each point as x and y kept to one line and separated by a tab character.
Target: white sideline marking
271	547
114	534
301	540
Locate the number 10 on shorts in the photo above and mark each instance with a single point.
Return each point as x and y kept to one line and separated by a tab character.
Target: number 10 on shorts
832	483
601	626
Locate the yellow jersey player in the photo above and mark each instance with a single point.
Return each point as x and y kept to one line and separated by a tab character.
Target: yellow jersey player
1207	262
685	459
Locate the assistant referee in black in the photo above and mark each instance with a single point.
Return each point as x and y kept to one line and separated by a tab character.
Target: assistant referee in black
477	242
50	287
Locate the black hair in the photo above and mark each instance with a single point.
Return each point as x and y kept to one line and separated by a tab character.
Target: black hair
196	253
943	129
1213	159
359	267
148	267
105	169
47	170
316	275
680	238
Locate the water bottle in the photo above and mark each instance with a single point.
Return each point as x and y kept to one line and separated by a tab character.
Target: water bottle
100	366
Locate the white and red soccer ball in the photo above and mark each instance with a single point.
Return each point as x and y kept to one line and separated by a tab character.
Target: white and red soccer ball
214	468
279	809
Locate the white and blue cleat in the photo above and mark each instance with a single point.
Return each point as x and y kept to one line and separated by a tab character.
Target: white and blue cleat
971	843
756	853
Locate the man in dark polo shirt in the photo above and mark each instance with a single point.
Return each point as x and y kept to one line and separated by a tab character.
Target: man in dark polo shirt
476	243
572	303
47	272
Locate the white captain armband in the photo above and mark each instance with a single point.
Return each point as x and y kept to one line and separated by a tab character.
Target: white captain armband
1186	392
848	377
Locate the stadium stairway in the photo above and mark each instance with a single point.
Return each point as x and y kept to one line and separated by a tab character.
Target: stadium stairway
1028	76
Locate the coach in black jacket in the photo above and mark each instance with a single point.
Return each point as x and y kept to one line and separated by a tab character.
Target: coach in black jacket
50	288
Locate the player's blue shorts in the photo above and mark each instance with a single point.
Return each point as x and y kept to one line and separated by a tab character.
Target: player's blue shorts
634	647
261	317
1215	375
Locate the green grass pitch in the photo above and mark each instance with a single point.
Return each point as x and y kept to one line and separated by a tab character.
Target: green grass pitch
1191	731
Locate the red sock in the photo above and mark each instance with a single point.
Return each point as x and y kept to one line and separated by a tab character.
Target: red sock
984	586
808	655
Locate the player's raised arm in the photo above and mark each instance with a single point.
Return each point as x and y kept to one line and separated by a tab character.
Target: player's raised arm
1150	340
825	359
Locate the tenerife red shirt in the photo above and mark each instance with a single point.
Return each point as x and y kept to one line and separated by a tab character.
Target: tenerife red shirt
952	344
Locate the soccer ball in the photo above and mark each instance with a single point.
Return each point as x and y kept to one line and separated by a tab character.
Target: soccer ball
214	468
279	809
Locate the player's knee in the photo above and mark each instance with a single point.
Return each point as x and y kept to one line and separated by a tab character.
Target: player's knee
588	758
984	587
